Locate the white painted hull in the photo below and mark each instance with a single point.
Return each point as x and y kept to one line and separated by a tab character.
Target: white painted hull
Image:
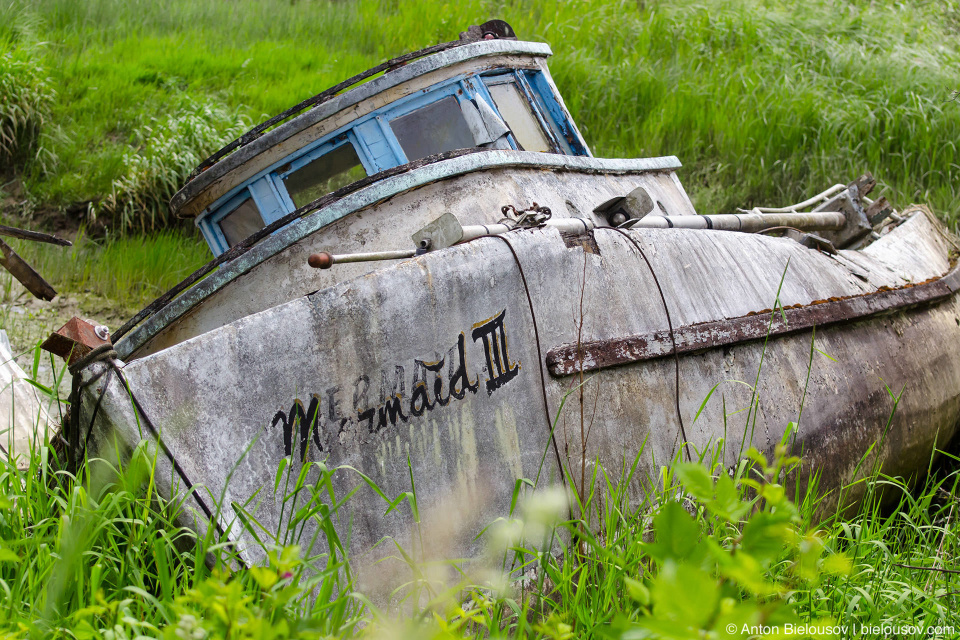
401	366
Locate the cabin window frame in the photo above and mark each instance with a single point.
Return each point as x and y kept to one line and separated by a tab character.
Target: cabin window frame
546	96
513	77
541	94
325	145
460	88
210	225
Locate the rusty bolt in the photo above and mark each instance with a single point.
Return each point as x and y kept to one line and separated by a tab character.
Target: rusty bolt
322	260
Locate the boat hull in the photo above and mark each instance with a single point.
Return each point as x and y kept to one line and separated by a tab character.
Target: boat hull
432	375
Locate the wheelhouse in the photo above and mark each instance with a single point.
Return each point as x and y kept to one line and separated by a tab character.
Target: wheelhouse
489	94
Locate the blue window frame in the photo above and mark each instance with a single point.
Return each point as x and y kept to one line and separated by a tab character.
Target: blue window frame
458	88
512	101
210	225
377	146
347	139
545	95
269	192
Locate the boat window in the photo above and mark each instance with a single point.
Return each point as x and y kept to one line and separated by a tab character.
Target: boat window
520	118
327	173
435	128
241	222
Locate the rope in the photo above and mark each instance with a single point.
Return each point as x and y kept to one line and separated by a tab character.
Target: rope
102	353
99	354
106	353
536	335
673	339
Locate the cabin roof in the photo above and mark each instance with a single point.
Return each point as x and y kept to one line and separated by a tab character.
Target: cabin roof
336	103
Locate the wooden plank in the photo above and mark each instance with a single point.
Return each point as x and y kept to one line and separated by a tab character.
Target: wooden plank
22	234
591	356
25	273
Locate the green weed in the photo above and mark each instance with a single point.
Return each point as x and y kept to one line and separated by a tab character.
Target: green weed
166	152
104	279
129	270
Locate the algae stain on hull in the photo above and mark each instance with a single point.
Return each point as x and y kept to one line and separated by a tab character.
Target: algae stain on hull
508	440
467	462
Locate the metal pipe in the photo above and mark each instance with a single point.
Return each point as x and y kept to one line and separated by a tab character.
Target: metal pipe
564	225
746	222
326	260
800	205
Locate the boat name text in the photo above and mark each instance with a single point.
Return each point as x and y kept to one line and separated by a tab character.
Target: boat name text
307	427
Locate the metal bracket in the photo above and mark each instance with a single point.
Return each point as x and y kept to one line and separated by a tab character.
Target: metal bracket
443	232
850	204
76	339
625	211
529	218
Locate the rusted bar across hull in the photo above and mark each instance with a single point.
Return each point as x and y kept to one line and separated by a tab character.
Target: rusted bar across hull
572	358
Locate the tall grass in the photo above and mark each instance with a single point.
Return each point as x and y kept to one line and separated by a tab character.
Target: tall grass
26	93
129	271
166	152
763	100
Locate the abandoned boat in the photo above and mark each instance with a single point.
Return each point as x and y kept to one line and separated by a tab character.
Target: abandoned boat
412	274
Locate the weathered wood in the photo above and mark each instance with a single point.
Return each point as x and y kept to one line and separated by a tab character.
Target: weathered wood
599	354
255	147
313	101
23	272
37	236
435	360
879	210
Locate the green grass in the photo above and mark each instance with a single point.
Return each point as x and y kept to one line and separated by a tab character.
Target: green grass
763	101
27	95
130	270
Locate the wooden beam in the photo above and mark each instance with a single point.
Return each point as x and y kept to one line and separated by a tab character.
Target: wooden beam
37	236
25	273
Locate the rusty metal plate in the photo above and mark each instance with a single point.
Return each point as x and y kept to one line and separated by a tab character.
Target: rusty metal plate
73	340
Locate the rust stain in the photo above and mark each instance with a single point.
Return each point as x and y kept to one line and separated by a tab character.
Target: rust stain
572	358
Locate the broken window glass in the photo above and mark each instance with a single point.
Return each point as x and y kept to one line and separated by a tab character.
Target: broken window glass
435	128
516	110
324	175
241	222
